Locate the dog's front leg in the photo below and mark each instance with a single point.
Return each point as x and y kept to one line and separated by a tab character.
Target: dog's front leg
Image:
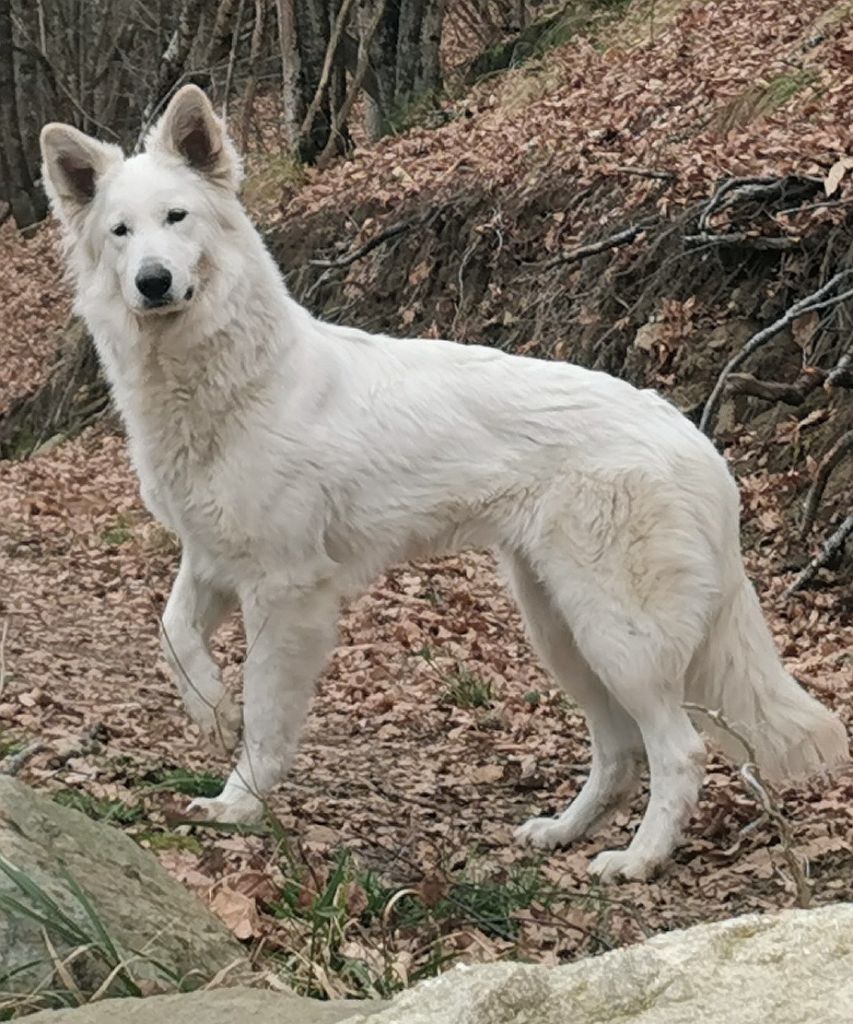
194	609
288	640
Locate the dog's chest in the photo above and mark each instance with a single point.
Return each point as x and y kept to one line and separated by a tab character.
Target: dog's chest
191	477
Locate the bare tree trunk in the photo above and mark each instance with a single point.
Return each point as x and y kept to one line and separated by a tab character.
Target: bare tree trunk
290	68
405	58
17	187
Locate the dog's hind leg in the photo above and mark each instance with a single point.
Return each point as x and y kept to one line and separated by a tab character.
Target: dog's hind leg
288	640
640	654
617	746
192	613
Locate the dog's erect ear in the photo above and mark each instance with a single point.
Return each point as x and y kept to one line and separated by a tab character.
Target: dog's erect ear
72	164
190	130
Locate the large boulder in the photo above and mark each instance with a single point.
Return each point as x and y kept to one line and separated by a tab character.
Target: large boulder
222	1006
140	906
795	967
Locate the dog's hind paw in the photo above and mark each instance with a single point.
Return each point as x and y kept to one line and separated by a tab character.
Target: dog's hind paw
247	809
613	865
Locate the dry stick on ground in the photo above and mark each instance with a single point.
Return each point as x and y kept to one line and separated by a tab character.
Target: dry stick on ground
828	549
833	457
647	172
15	762
734	189
3	637
779	243
793	393
384	236
767	800
575	255
819	299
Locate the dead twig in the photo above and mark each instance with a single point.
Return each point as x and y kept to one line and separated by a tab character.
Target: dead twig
647	172
828	549
15	762
594	248
819	299
842	374
3	637
833	457
734	190
768	801
384	236
793	393
779	243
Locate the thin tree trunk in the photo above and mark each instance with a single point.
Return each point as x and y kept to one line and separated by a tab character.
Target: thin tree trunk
17	187
290	69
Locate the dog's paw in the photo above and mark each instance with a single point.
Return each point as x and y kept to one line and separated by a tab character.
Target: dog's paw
543	833
615	865
246	809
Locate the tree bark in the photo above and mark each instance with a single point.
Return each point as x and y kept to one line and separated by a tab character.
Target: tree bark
17	187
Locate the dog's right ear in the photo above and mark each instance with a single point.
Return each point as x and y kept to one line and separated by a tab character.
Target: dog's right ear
72	165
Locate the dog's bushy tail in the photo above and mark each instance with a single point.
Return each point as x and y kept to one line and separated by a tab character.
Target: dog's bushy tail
737	671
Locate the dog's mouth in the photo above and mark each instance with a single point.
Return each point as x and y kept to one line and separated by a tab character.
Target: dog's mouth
168	304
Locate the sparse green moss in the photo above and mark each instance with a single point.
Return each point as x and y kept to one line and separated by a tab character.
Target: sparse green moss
169	841
119	533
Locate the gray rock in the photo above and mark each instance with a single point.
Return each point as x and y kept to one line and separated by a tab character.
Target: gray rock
225	1006
794	967
141	906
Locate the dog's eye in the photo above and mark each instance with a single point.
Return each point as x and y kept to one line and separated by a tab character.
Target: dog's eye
174	216
120	230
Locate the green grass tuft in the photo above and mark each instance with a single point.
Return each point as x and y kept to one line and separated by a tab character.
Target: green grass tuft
466	689
82	961
114	811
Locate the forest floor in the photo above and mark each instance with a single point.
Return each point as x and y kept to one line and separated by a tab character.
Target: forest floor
433	734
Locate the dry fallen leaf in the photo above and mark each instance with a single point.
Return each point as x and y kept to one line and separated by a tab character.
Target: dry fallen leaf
836	173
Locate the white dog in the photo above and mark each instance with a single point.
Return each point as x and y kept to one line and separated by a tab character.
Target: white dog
296	460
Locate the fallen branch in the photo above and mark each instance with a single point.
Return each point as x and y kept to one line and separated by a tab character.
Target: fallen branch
819	299
3	637
735	189
833	457
842	374
793	393
384	236
767	800
15	762
647	172
594	248
828	550
779	243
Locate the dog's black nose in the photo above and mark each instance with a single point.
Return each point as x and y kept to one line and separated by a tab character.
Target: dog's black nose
154	281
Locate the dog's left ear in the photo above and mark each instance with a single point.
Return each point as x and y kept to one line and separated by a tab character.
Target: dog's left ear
190	130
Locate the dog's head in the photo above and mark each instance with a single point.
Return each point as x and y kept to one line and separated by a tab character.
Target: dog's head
149	221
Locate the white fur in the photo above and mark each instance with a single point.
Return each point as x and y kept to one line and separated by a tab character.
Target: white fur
296	460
